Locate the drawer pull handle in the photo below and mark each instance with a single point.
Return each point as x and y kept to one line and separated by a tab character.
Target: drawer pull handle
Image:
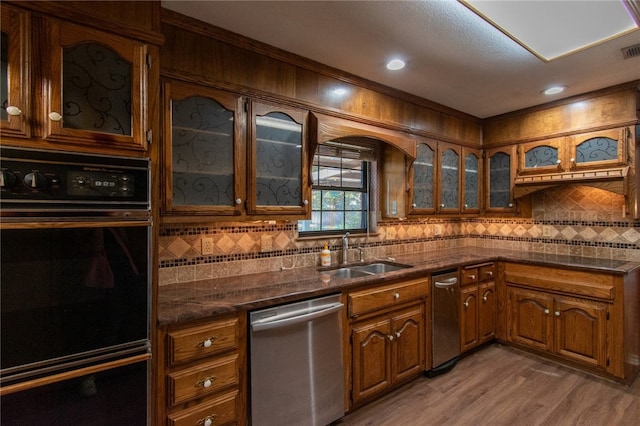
206	382
206	343
472	277
207	421
490	273
396	296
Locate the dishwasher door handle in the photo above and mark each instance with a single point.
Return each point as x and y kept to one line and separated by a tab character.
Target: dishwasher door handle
446	283
302	315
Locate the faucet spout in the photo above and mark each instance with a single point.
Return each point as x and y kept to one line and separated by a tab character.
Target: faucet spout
345	248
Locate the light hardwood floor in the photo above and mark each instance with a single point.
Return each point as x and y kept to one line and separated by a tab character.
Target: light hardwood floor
499	385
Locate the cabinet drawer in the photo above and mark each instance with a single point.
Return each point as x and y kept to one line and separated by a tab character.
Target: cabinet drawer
487	272
205	378
469	276
221	411
202	341
364	301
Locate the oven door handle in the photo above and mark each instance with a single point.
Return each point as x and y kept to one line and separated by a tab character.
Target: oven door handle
301	315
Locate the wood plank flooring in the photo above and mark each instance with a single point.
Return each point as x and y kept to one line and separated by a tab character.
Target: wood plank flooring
499	385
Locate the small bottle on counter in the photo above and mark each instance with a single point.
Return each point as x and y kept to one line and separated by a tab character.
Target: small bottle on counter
325	256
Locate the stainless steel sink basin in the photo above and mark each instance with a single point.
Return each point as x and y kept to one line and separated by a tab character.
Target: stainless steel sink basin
356	271
380	267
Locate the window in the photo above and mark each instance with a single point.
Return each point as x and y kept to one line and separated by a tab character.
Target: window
340	192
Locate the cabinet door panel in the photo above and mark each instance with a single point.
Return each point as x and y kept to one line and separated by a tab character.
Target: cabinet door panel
468	317
424	178
408	344
529	318
599	149
499	176
471	182
371	358
580	329
449	179
487	313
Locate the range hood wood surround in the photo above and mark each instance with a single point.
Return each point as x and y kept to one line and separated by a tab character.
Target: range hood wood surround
611	179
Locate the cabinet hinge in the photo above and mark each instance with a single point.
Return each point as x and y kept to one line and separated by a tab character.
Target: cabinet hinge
149	135
148	61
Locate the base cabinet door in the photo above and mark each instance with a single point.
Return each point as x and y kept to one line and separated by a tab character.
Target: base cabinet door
407	349
487	317
371	357
529	318
469	318
580	330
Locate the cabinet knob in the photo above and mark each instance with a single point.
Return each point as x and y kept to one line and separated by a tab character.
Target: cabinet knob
466	205
54	116
238	201
305	202
396	296
472	277
510	205
413	205
490	273
557	313
207	343
14	110
442	206
484	298
466	304
206	421
572	160
390	337
398	334
206	382
546	311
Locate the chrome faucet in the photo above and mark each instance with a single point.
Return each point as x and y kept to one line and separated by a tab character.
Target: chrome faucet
345	248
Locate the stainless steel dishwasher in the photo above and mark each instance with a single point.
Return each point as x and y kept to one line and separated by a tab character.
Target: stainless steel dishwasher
445	343
297	375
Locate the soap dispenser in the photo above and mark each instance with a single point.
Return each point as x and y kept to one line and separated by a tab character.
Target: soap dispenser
325	256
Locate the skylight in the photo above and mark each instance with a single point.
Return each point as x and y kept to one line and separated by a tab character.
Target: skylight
552	29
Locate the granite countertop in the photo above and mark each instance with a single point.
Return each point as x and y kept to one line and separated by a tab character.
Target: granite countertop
206	298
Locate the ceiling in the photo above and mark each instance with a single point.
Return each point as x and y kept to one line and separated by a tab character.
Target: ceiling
453	57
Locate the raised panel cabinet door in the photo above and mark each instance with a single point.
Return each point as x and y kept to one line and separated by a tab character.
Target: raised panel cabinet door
468	317
371	357
203	156
487	311
407	357
580	330
15	84
471	182
97	88
529	318
278	164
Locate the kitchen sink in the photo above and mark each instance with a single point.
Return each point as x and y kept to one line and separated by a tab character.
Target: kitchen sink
356	271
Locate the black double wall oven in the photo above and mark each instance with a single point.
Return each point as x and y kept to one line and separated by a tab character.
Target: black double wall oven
75	235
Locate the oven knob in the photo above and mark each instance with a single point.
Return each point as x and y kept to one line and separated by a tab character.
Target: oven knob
7	179
35	180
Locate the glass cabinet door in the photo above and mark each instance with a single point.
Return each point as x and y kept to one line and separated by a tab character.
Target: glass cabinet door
424	178
449	179
471	181
500	179
97	88
202	150
599	149
278	166
14	82
542	157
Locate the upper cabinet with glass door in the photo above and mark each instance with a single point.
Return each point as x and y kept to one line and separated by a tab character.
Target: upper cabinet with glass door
606	148
95	88
449	188
203	151
423	176
471	179
542	157
14	75
499	176
277	160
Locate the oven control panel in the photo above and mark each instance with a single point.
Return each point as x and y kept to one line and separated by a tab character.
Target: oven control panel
33	179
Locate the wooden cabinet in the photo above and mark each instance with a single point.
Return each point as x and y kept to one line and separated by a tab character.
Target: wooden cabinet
203	151
201	380
566	326
500	166
478	305
587	318
15	90
73	87
278	167
221	161
445	179
388	332
584	151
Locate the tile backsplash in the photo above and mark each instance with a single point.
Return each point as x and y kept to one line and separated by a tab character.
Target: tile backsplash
572	220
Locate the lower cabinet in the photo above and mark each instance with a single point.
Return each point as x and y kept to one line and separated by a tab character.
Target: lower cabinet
478	304
388	340
202	377
570	327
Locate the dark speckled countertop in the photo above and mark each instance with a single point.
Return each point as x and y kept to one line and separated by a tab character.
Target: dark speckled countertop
207	298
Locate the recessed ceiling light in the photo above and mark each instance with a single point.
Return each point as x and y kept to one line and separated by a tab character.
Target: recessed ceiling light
554	90
395	64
